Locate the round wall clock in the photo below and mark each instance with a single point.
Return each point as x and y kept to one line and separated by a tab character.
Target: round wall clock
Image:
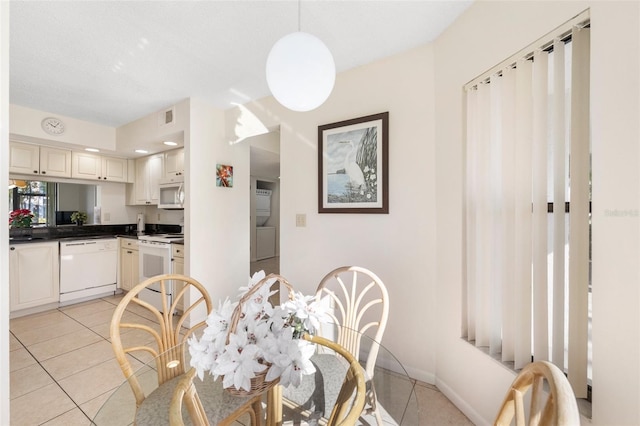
53	126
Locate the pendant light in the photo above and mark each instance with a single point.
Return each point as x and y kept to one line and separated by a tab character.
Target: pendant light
300	70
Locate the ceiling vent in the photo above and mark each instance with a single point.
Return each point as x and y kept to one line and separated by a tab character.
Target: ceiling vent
167	116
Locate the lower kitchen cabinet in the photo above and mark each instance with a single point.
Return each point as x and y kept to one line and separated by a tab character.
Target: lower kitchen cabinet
34	278
177	267
129	265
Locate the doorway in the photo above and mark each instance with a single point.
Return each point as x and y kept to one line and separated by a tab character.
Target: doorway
265	203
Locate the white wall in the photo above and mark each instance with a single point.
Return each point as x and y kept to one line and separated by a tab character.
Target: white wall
399	246
4	208
216	218
150	130
616	243
112	197
487	33
25	125
268	141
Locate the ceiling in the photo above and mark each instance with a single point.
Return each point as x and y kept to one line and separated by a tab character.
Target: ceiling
112	62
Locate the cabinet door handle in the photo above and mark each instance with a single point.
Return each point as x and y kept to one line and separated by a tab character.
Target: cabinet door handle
44	172
129	251
12	248
35	171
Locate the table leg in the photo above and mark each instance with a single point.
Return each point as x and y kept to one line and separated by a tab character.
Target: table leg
274	406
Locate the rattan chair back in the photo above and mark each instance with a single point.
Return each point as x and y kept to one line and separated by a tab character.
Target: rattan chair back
555	405
164	331
361	305
351	399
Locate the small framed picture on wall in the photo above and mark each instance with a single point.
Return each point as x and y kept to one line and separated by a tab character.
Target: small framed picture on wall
224	175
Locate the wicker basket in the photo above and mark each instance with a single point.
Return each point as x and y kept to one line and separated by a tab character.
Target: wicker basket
258	384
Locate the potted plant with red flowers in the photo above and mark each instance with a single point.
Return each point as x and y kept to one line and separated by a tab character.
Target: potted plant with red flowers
20	218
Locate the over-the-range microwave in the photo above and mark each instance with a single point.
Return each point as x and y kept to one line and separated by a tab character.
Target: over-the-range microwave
171	194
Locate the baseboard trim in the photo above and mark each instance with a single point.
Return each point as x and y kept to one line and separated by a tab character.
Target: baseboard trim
462	405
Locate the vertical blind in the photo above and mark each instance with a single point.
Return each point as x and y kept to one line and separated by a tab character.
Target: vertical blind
527	157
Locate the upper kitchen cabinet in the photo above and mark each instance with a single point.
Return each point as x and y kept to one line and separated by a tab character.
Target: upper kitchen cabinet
31	159
173	165
86	166
149	171
114	169
96	167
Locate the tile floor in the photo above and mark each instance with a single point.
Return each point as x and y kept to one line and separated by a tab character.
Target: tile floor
63	368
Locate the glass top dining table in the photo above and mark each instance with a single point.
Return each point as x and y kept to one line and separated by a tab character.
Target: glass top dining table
394	389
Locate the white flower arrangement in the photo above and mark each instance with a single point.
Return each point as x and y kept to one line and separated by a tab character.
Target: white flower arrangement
264	337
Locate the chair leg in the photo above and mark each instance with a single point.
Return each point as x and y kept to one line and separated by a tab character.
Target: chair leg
373	404
378	417
256	406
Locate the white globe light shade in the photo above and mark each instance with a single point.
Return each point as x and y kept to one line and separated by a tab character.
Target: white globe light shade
300	71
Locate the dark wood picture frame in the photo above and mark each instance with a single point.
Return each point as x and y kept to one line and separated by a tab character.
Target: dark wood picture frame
353	165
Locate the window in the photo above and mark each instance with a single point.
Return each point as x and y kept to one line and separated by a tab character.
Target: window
527	262
35	196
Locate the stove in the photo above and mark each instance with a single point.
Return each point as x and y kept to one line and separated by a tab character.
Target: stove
155	259
162	238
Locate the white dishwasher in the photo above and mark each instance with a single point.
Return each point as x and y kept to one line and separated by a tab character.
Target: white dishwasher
88	268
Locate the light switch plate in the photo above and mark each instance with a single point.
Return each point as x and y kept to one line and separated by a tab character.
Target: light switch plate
301	220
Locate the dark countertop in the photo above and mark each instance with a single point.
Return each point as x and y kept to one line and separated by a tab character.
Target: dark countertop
20	240
66	233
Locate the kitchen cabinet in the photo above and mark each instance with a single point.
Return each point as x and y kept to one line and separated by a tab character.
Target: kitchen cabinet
86	166
129	266
174	165
96	167
148	173
114	169
177	267
34	278
31	159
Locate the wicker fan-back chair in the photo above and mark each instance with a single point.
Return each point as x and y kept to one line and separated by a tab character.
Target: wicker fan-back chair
362	307
358	295
559	408
358	304
161	334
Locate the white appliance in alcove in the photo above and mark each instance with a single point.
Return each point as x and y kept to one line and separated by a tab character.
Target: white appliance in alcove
263	206
265	235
